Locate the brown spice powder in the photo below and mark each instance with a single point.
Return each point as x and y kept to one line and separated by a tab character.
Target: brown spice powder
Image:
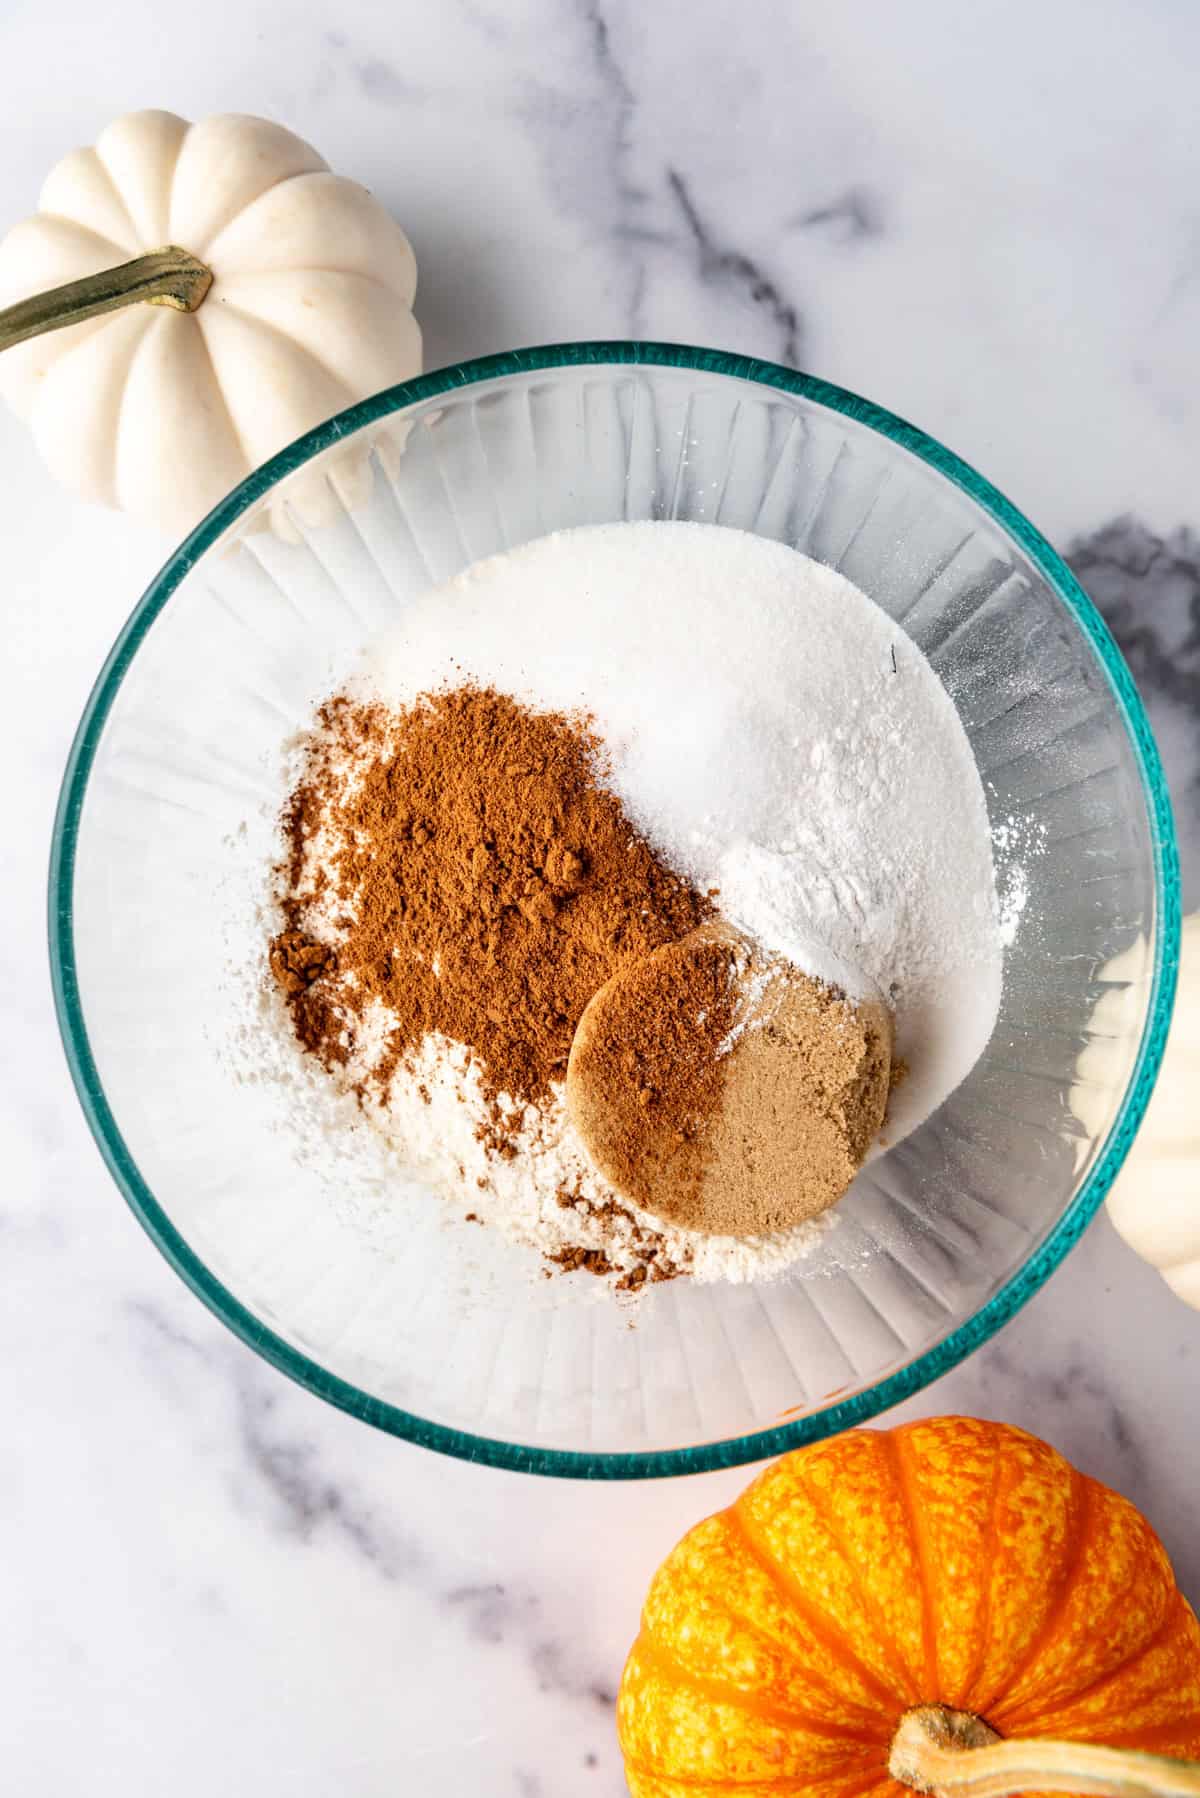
646	1072
646	1247
485	881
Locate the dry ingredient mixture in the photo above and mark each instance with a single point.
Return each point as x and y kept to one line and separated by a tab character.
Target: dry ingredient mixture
774	734
566	762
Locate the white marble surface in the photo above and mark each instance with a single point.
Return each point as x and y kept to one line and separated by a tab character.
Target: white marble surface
984	216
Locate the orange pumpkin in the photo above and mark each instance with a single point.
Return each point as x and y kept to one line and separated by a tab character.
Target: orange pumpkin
951	1563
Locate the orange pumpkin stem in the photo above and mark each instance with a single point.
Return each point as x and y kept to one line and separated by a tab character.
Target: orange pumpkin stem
167	277
952	1754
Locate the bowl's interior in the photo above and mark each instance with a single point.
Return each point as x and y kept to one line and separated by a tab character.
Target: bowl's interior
367	1286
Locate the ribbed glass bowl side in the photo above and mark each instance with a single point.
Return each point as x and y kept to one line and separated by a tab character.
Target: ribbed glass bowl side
364	1293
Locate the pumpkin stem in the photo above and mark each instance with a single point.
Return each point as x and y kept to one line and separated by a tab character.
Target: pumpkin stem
953	1754
166	277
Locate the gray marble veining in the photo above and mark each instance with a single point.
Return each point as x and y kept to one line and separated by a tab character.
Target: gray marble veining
212	1577
1148	588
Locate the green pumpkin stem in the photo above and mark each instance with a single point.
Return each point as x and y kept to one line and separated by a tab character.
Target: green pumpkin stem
166	277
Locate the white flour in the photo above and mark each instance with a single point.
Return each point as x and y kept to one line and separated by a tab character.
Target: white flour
774	735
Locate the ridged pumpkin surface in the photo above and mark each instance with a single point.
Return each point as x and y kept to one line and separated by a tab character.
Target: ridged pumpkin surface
949	1561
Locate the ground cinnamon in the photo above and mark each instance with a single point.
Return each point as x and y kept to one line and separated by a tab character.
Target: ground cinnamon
481	882
647	1073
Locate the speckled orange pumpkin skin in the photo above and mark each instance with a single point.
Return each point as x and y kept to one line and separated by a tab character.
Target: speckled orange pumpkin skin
949	1561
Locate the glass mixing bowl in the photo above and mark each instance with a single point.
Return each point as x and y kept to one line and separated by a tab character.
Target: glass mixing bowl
367	1289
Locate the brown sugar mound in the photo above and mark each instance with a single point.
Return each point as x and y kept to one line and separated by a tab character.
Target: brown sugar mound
463	862
726	1092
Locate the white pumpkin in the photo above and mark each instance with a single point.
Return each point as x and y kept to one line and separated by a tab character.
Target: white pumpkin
1155	1202
161	412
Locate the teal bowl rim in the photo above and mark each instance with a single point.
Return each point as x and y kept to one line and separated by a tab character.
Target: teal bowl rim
736	1450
